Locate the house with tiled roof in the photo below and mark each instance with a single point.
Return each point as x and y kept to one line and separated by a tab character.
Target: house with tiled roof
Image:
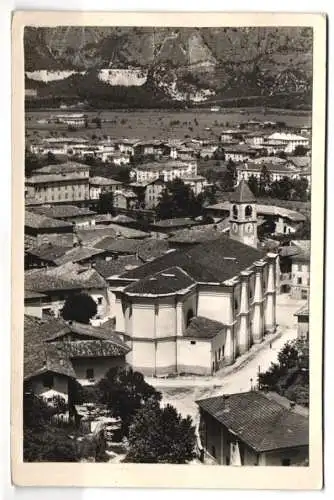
99	185
303	321
57	352
300	270
79	217
40	229
55	184
254	428
60	282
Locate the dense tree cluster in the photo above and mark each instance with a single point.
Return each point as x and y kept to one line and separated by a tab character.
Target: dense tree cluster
125	391
155	434
289	377
42	441
179	200
105	204
161	435
283	189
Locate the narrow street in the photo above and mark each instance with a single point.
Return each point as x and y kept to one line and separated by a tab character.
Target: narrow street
182	393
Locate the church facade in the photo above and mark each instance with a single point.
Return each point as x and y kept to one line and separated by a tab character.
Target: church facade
196	311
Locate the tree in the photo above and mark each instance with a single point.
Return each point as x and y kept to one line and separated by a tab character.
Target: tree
125	391
161	435
178	200
51	159
290	375
123	175
79	307
299	150
265	180
253	185
32	162
43	442
231	174
304	231
106	203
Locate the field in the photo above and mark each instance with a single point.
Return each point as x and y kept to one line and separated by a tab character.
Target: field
161	124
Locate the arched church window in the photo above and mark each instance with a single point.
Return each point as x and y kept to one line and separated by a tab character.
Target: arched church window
190	315
235	211
248	211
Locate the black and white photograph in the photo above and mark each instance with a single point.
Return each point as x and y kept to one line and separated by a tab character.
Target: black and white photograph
168	186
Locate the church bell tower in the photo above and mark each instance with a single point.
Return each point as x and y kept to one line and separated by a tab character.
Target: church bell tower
243	216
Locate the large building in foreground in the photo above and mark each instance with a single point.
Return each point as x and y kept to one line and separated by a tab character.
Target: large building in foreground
196	310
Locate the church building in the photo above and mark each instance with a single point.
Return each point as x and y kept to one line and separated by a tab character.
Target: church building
194	311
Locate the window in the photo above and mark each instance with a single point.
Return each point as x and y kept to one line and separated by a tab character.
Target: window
248	211
286	462
299	281
223	351
213	451
190	315
235	211
46	312
48	380
90	373
99	301
193	342
236	305
219	353
304	294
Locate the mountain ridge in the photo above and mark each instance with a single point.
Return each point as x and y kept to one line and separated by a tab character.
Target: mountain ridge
182	64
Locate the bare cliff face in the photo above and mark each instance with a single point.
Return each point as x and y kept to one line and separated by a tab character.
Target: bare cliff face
178	63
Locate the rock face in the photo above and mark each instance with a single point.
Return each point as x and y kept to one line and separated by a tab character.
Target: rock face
180	63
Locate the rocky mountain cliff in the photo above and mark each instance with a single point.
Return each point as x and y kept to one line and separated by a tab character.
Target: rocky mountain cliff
193	65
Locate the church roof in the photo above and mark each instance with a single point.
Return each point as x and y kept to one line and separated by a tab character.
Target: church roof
166	282
211	261
242	193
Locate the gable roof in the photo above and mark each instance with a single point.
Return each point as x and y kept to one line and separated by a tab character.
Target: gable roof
121	245
60	168
108	268
242	193
48	251
103	181
78	254
303	311
213	261
91	237
45	351
68	276
260	420
61	211
166	282
37	221
203	328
